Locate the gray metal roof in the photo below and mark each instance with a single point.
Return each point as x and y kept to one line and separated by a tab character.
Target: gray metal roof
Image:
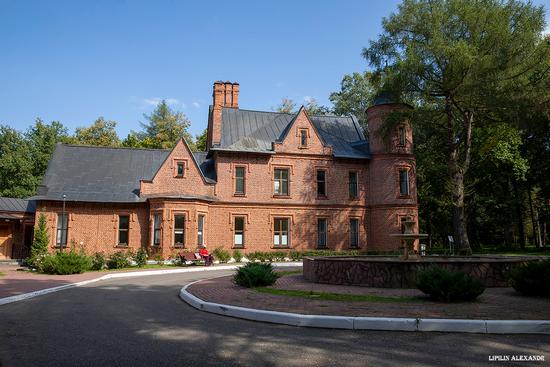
102	174
255	131
17	205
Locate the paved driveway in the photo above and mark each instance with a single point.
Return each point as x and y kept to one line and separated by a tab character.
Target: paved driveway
142	322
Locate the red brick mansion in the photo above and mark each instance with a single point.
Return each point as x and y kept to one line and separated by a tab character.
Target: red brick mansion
268	181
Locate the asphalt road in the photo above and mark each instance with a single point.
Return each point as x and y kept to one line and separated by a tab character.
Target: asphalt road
142	322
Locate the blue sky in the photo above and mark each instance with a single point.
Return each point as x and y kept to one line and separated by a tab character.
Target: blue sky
73	61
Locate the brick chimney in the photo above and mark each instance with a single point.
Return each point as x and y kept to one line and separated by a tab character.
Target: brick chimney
223	95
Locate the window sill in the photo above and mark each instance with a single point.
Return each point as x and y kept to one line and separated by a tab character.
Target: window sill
275	196
121	246
280	247
404	196
238	248
177	246
324	197
239	195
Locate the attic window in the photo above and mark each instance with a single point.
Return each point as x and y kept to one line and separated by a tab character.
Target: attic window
303	138
179	169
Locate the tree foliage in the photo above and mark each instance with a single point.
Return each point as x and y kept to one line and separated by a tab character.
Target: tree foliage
101	133
357	92
312	107
163	128
460	58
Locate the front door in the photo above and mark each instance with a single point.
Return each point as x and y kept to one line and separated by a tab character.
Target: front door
5	242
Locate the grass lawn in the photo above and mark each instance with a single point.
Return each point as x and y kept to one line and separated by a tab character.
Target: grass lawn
289	272
325	296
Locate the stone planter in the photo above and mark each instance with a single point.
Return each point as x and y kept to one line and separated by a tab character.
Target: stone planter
392	272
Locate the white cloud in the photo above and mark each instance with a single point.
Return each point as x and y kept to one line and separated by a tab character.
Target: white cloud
546	32
196	104
155	101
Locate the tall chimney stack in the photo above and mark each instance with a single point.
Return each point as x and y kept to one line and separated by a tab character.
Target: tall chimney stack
223	95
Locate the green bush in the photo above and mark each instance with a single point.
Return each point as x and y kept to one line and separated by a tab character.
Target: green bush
39	246
449	286
532	279
140	257
255	275
118	260
221	255
98	261
159	259
237	255
64	263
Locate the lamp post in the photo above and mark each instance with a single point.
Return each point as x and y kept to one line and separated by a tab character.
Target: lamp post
63	225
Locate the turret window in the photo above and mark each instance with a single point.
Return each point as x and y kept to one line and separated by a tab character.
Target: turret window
404	189
401	133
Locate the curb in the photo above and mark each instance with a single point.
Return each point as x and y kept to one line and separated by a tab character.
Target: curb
41	292
369	323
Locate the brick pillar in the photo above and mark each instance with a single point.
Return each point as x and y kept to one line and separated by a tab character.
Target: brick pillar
223	95
215	118
235	96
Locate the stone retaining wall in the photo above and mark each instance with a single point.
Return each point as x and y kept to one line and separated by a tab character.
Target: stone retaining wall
384	272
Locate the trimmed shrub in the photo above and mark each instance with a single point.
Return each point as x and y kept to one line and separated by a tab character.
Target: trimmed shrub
140	257
449	286
64	263
255	275
39	246
222	255
118	260
237	255
532	279
98	261
159	259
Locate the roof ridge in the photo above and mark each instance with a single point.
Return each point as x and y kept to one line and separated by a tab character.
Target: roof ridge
283	113
109	147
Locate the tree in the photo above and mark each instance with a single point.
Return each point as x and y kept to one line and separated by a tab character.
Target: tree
17	177
356	94
312	107
458	56
41	240
42	138
100	133
201	140
287	105
164	127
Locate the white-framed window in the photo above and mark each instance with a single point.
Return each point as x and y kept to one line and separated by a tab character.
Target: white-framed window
238	236
157	220
280	183
62	230
281	232
200	230
179	230
123	230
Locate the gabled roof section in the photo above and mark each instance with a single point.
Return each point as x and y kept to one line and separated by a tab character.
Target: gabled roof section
102	174
17	205
256	131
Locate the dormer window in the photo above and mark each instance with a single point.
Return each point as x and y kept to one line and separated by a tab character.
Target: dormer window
303	138
179	169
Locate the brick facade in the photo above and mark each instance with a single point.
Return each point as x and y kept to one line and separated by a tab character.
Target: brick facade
378	206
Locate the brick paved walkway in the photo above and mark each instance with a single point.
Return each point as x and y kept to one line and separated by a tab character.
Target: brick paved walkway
494	303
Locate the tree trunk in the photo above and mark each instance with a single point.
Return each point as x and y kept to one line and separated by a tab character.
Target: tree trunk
519	214
534	219
458	163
